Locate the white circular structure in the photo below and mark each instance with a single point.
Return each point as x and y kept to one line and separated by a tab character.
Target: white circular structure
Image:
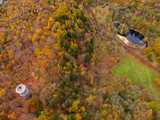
1	2
22	90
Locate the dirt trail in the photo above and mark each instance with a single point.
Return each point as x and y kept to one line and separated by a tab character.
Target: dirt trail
138	55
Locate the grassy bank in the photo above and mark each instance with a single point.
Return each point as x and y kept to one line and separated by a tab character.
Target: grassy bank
137	73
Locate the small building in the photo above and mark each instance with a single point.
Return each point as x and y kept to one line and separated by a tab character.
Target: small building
23	91
1	2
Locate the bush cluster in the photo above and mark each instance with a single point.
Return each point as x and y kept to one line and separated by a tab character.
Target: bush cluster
75	41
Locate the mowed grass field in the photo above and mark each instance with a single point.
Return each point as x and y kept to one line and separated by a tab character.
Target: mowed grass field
137	73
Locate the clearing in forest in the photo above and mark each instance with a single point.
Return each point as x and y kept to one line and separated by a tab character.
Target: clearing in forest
137	73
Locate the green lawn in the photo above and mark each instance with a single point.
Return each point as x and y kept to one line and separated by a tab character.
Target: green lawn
136	72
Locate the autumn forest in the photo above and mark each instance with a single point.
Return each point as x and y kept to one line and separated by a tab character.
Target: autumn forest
75	60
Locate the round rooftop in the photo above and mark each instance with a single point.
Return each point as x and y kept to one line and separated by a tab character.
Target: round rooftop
20	88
